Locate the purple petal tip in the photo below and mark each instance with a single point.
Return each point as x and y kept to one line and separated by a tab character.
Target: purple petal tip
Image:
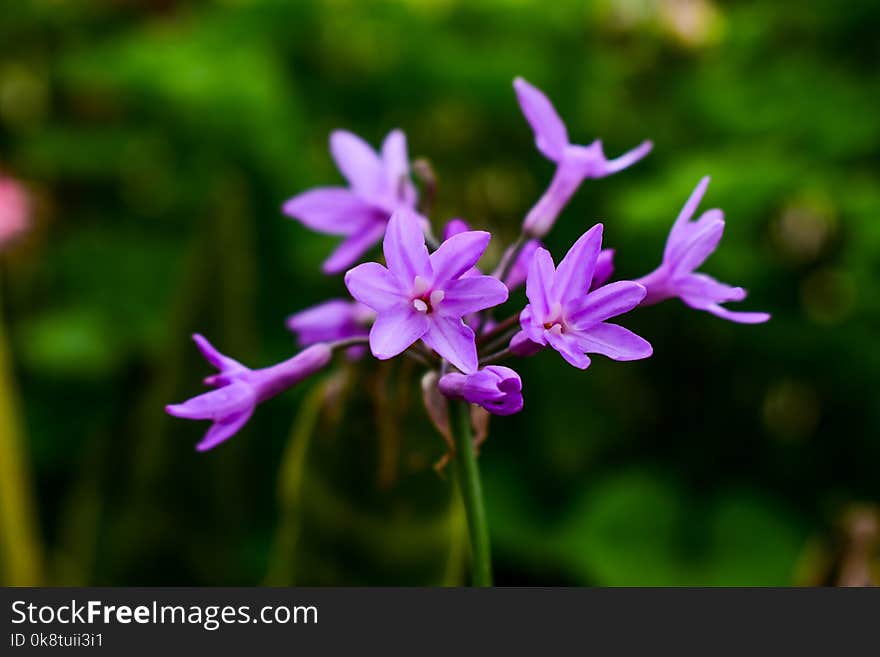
174	410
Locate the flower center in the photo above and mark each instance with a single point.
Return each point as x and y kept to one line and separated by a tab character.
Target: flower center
424	301
554	319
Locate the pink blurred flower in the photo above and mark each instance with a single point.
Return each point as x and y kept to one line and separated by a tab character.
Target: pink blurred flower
14	209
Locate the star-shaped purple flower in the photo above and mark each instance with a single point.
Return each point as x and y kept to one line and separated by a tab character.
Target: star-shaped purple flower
574	163
240	390
496	388
563	313
379	184
520	270
422	296
689	244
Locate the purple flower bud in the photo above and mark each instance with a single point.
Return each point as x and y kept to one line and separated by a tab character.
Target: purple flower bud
496	388
240	389
574	163
689	244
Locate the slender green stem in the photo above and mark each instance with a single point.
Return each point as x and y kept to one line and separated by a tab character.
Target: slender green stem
502	328
501	342
496	357
468	475
509	257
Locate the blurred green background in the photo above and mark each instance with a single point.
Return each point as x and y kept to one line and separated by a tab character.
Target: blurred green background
159	139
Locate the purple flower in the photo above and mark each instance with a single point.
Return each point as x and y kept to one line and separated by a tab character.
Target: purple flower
379	185
496	388
240	389
689	244
336	319
563	313
574	163
421	296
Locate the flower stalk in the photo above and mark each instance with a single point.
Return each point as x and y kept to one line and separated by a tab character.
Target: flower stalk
467	473
21	554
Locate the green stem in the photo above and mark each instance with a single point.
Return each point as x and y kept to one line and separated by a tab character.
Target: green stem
468	475
20	549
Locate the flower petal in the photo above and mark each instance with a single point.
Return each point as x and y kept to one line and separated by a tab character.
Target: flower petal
575	272
613	341
532	328
690	207
521	345
468	295
604	268
628	159
224	429
374	286
395	160
333	312
701	290
551	137
335	319
216	404
737	316
540	283
404	247
701	243
453	340
608	301
458	254
214	357
353	247
357	161
331	210
454	227
568	348
395	329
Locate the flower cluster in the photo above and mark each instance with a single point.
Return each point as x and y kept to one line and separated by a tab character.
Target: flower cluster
430	301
